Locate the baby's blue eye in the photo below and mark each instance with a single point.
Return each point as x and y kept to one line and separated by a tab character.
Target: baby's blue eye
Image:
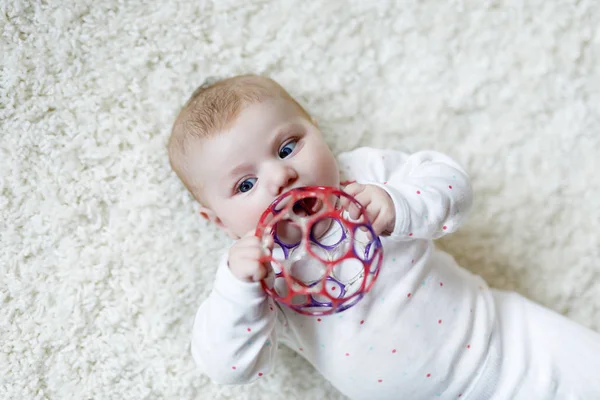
287	149
247	185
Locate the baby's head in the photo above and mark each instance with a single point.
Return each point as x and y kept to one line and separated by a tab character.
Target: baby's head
240	143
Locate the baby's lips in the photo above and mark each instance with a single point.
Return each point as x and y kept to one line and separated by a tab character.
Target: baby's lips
308	206
316	206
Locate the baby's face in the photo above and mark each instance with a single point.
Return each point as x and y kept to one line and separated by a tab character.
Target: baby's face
270	148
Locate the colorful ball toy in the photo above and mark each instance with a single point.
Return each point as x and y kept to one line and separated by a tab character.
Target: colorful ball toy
322	261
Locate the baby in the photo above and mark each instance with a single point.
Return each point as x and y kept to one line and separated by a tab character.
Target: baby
427	329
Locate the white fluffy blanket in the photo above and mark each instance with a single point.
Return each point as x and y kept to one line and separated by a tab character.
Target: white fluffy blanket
104	258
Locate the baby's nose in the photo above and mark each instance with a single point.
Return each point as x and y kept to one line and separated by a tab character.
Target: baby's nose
284	179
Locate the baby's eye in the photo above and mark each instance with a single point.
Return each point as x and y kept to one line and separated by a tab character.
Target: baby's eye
247	185
287	149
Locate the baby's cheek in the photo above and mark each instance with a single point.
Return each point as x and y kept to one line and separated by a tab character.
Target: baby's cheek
239	221
252	216
329	171
335	174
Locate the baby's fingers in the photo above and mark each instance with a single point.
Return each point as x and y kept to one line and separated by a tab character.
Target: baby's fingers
260	273
269	243
379	224
364	198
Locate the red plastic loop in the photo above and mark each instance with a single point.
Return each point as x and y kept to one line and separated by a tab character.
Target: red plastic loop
328	294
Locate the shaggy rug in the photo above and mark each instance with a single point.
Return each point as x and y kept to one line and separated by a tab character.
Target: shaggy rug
104	259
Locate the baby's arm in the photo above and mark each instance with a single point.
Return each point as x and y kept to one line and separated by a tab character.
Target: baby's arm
431	193
234	340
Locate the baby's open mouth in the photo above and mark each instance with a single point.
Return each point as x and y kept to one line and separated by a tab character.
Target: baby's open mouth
307	207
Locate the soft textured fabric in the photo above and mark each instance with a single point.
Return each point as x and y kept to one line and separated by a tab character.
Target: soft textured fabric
104	259
543	354
427	328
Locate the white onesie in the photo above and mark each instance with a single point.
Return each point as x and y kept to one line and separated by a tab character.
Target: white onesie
428	329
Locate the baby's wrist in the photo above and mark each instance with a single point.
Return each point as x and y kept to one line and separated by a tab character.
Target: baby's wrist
239	290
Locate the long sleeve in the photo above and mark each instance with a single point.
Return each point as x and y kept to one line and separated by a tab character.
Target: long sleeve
234	337
432	194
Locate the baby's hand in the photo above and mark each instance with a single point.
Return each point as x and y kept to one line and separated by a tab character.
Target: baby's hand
377	203
244	258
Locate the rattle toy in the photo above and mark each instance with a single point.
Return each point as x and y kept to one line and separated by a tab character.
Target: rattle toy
322	261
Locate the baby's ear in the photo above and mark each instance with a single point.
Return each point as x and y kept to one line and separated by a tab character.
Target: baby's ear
205	213
209	215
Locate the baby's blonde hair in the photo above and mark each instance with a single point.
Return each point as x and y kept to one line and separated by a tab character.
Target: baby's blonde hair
210	110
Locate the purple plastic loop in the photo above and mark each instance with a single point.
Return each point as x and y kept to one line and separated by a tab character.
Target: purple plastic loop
287	248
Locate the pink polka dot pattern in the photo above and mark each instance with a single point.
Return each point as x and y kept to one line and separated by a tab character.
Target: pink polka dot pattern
391	351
